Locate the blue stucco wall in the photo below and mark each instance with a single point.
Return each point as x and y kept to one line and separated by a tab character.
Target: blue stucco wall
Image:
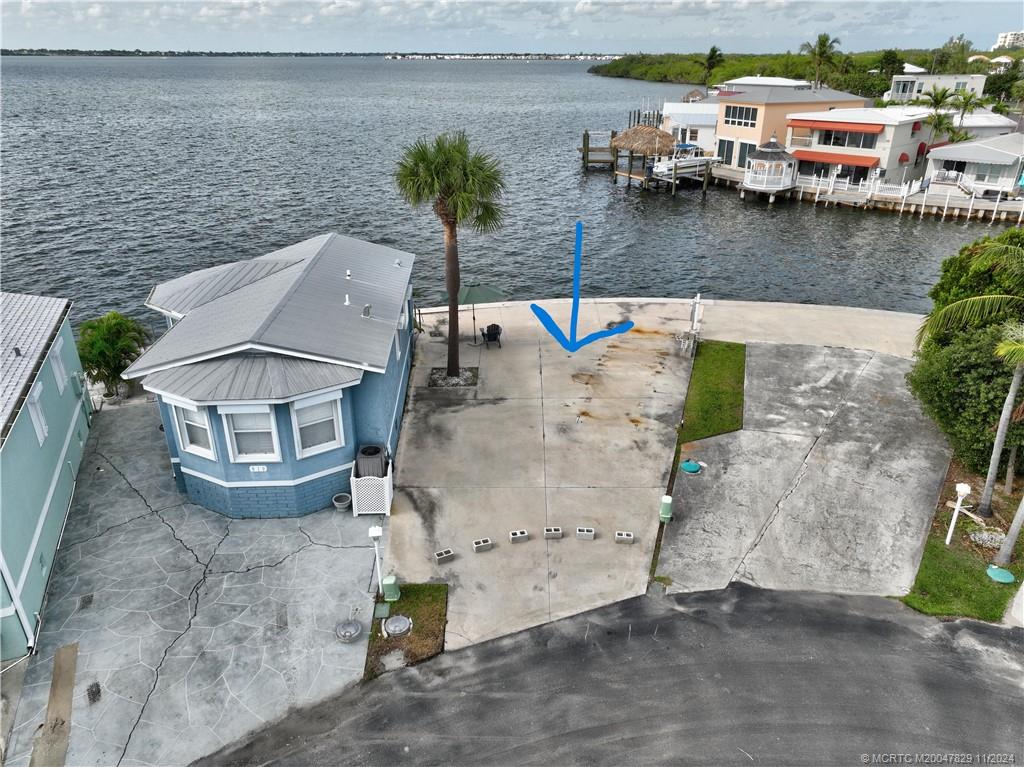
27	472
371	413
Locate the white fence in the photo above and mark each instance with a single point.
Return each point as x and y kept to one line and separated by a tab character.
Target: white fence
372	495
766	181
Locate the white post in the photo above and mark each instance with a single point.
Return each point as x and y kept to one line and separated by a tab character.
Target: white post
904	200
925	200
376	532
1020	216
970	207
946	206
995	210
962	491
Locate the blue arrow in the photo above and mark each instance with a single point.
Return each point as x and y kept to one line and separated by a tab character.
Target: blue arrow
572	344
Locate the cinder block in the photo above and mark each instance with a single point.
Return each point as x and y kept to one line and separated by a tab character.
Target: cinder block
444	555
483	544
586	533
624	536
552	532
518	536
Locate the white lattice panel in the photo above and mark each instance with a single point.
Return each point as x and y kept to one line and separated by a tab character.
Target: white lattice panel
372	495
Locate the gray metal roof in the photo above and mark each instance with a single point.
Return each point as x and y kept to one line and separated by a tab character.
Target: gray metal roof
757	94
241	377
28	324
298	310
771	150
998	150
177	297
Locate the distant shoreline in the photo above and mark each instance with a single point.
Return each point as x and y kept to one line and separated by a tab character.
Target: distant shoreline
119	53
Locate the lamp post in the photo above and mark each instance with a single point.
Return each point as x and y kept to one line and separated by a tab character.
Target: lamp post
962	491
376	533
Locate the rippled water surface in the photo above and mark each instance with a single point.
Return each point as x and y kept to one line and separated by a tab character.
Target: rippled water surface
120	173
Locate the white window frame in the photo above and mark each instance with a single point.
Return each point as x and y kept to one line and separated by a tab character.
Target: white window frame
178	409
35	412
60	373
693	135
339	424
226	411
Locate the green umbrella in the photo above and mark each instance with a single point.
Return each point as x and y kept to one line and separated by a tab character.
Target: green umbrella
474	293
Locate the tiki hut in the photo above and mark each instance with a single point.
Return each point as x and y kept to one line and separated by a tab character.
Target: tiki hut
695	95
644	140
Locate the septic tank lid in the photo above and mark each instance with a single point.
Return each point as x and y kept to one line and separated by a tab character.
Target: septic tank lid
397	625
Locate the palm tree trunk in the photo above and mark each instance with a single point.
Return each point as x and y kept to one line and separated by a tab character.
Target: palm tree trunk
1006	550
1011	469
985	506
452	283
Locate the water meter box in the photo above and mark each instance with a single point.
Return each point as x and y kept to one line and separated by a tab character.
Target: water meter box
392	593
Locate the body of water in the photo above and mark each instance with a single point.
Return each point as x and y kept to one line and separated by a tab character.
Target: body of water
120	173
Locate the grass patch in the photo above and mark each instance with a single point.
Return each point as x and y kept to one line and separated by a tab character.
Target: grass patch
664	580
427	605
714	399
951	581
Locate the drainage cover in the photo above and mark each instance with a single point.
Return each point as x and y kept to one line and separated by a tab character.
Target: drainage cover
999	574
397	625
690	467
347	631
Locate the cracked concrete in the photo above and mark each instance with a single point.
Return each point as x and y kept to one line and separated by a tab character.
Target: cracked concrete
193	629
829	486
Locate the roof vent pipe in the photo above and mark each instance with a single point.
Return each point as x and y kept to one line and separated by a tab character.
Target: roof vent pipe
348	274
17	352
347	302
398	262
366	310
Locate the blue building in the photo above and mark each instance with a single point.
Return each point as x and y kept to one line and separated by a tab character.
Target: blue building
276	371
44	414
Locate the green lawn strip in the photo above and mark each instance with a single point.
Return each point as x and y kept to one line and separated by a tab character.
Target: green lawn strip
714	398
951	581
427	605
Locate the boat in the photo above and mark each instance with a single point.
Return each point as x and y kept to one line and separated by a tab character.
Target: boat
685	158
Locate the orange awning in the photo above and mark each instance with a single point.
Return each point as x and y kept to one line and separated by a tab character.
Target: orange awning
904	157
829	125
834	158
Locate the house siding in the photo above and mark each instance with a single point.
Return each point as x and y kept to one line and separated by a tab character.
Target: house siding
23	501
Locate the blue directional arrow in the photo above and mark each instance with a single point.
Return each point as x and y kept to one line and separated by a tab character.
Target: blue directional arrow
573	344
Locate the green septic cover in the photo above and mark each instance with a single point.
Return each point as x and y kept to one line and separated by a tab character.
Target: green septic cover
690	467
999	574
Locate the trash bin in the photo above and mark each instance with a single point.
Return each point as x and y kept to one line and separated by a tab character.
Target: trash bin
391	591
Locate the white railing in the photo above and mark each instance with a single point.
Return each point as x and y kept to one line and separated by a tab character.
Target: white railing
766	181
801	141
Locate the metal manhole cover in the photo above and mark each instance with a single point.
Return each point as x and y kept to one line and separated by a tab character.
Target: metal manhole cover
397	625
348	631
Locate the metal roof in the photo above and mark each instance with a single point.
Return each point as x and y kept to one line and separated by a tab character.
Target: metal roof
313	308
788	95
998	150
241	377
28	326
177	297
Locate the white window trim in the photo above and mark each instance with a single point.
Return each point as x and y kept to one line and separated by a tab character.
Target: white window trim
183	441
226	411
35	412
60	373
339	425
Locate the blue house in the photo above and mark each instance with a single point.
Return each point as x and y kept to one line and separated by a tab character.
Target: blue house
279	372
44	414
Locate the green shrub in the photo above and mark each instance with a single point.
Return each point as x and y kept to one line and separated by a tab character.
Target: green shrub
960	279
108	345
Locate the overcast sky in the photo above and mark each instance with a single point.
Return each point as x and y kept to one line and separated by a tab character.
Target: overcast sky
613	26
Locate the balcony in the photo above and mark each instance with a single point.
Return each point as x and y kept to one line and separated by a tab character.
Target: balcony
804	141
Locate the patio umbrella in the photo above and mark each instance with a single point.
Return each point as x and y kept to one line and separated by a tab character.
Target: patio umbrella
474	293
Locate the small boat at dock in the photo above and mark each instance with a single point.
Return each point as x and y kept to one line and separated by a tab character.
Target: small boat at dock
685	159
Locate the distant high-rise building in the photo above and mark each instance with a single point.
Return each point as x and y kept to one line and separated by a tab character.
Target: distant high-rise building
1009	40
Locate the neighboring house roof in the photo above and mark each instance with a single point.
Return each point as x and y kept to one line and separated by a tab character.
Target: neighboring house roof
913	69
865	115
782	82
243	377
790	95
28	326
984	119
998	150
298	310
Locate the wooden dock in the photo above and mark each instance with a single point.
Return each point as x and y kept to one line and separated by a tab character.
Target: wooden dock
596	154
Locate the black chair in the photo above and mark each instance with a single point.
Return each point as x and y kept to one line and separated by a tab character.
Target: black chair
491	335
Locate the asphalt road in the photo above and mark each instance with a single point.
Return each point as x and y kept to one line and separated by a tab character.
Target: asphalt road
740	676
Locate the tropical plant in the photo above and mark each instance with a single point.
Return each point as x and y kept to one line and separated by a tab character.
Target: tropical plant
107	345
715	58
995	256
936	98
958	136
822	53
462	187
1011	349
940	124
966	102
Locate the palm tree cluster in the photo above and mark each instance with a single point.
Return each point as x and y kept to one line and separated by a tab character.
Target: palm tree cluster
107	345
944	104
822	52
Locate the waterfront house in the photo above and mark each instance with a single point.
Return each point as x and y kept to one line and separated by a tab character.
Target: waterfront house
910	87
44	412
747	120
278	371
770	169
985	167
692	122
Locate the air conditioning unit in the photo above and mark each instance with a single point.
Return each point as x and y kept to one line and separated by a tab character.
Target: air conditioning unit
371	461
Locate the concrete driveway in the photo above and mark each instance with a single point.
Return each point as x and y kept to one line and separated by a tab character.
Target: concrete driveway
192	629
830	485
735	677
546	438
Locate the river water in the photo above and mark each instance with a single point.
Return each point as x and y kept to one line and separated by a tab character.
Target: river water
120	173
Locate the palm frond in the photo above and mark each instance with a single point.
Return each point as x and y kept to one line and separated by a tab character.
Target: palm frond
1011	347
967	312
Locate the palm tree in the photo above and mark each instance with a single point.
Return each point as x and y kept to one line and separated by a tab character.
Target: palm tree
940	124
107	345
822	52
462	187
936	98
1011	349
715	58
965	103
970	311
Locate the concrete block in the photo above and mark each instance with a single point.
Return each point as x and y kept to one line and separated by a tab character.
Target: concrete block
518	536
483	544
585	533
552	532
624	536
444	555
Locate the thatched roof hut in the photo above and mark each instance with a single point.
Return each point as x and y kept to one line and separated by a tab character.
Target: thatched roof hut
646	140
695	95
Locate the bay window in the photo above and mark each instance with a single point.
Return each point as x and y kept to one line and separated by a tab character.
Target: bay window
194	431
316	422
251	433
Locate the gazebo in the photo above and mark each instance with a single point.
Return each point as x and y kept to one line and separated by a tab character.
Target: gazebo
646	141
770	169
